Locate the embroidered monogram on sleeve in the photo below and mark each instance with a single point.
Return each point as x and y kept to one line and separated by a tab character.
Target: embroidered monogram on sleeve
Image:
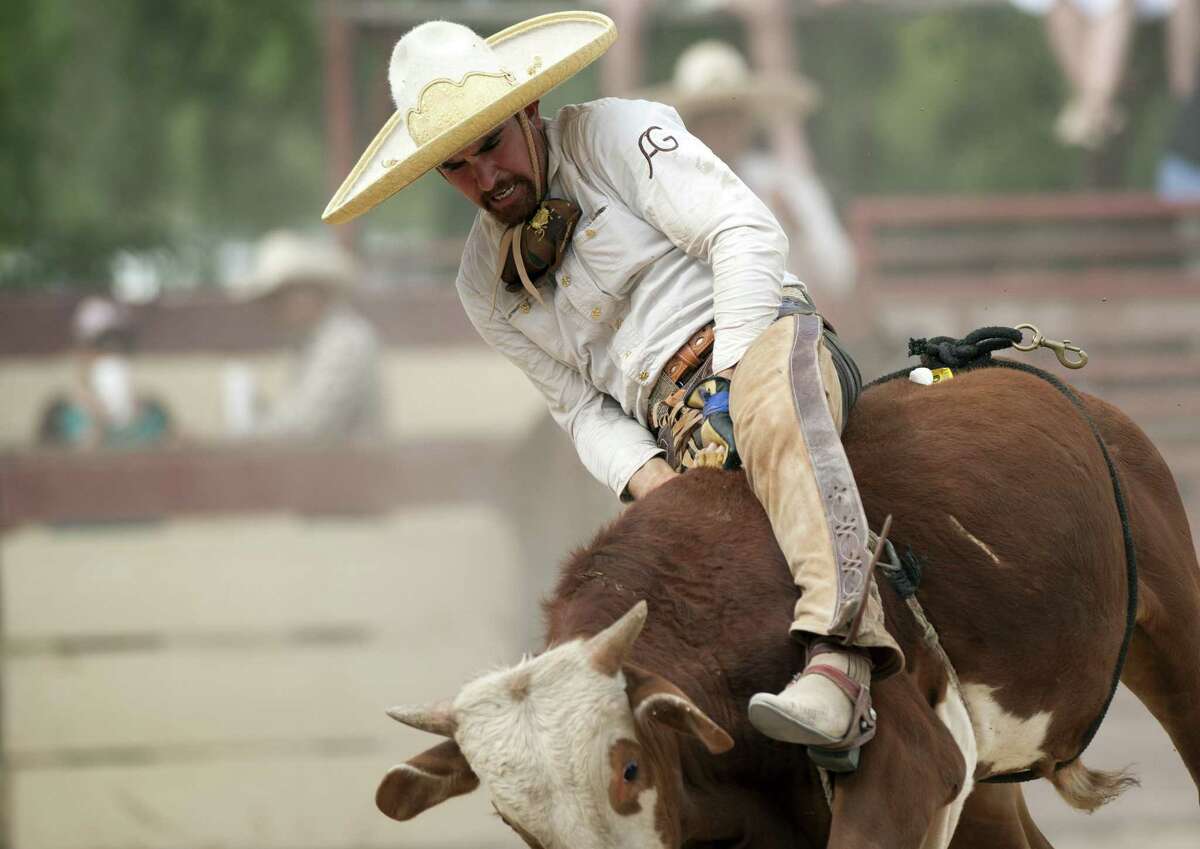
651	148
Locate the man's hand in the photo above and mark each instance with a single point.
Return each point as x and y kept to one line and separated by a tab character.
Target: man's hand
716	434
649	477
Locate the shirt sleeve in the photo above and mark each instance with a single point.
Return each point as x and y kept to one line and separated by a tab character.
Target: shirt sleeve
338	371
672	179
611	445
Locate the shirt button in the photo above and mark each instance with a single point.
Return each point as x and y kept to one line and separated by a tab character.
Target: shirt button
625	354
525	307
644	376
591	234
566	280
595	313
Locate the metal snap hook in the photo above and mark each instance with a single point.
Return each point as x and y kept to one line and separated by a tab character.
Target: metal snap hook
1063	350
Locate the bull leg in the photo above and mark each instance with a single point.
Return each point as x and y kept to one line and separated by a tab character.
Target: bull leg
995	817
1161	668
952	711
910	783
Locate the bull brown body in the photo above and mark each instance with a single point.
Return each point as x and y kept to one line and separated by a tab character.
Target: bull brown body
1001	453
998	483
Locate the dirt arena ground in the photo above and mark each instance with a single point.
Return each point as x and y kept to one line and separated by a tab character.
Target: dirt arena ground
1162	813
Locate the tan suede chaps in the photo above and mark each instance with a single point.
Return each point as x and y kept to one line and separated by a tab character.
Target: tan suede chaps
786	401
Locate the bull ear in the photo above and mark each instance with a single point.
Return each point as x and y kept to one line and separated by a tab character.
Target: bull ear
654	699
610	648
428	779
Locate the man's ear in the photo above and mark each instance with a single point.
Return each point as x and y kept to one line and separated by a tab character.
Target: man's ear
534	116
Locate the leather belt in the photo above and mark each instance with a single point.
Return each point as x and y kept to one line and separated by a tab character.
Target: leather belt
671	422
680	371
688	358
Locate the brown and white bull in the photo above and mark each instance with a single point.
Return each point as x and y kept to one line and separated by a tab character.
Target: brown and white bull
629	730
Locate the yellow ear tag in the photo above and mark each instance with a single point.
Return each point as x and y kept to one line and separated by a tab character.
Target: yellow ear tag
940	374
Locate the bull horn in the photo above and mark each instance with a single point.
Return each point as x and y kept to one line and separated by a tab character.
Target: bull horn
610	648
436	719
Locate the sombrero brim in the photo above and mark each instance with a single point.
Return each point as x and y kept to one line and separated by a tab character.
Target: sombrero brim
761	96
565	42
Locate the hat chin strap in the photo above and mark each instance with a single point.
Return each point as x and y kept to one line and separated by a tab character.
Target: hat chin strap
535	161
511	240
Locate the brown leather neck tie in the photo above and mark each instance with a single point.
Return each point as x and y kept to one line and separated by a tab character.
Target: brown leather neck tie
533	251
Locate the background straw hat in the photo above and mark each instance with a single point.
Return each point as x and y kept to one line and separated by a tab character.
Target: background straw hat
712	75
450	87
285	258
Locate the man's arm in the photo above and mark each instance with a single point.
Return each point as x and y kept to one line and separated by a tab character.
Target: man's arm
673	181
650	477
611	445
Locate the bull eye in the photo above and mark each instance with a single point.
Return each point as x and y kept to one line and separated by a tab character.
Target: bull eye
631	772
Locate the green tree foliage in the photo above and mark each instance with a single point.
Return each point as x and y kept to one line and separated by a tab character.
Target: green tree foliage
149	125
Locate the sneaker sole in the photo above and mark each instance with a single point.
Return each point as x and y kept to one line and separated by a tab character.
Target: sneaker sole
778	725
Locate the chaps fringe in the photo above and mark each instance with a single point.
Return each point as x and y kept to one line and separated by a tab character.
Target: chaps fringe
1087	789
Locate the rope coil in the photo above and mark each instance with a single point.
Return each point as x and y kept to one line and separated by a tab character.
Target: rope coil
972	350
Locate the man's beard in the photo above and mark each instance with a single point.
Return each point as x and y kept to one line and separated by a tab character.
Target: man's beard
521	208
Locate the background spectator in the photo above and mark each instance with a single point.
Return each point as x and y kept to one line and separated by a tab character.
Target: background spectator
334	389
102	408
1090	41
1178	177
732	110
752	121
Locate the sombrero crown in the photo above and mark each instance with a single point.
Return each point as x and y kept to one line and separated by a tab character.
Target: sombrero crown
451	87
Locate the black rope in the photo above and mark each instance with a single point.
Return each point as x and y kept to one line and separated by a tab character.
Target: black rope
975	351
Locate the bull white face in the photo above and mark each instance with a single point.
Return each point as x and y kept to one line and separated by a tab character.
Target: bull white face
552	739
576	747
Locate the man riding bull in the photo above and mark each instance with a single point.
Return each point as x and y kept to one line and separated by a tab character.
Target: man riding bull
640	285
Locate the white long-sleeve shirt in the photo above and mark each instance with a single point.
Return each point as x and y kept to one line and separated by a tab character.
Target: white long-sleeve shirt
668	240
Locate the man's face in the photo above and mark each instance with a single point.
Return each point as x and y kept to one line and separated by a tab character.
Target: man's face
494	172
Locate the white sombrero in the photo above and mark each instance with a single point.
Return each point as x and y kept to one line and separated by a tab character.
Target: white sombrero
713	75
451	87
